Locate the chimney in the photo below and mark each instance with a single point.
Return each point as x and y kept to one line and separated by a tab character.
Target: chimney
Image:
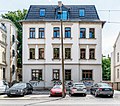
59	3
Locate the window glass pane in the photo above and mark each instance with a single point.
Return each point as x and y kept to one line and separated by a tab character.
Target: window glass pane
36	74
91	53
68	32
67	53
41	33
32	32
82	54
41	53
82	33
67	74
87	75
63	15
91	33
56	53
56	33
56	74
42	12
82	12
32	53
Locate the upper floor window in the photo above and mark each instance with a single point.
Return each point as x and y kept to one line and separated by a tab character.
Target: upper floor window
32	32
56	53
67	32
32	53
118	73
92	33
82	12
63	15
36	74
41	33
91	53
82	33
117	57
67	53
13	53
13	69
56	32
42	12
13	38
3	57
82	53
41	53
56	74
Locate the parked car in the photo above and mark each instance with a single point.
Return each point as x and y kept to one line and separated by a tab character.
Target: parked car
20	89
78	88
57	90
3	86
102	89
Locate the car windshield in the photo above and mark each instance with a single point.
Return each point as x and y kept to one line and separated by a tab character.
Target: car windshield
19	85
104	85
79	85
57	87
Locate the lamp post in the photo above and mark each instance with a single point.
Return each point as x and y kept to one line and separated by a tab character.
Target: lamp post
63	76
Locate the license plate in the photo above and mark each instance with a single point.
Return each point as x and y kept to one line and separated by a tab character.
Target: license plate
57	92
106	89
79	89
12	93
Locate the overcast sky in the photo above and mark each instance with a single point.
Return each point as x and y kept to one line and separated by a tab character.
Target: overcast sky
110	30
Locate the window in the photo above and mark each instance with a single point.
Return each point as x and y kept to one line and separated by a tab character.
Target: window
13	53
117	57
67	74
42	12
63	15
82	12
91	33
87	74
56	53
56	33
82	33
56	74
32	53
3	73
3	57
13	38
67	53
13	69
118	73
41	33
36	74
91	53
32	32
67	32
82	54
41	53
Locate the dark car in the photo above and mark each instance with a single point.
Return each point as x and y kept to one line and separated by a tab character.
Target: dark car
102	89
20	89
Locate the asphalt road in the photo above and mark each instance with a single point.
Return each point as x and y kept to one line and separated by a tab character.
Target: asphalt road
45	100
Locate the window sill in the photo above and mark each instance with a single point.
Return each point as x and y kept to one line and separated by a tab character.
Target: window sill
67	38
31	38
31	59
56	80
41	59
56	38
92	59
35	80
69	59
56	59
82	59
88	38
40	38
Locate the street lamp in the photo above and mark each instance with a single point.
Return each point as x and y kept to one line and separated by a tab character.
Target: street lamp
63	76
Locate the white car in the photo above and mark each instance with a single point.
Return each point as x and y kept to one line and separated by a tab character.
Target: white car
3	86
78	88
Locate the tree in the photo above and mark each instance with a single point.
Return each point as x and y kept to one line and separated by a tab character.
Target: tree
106	69
15	17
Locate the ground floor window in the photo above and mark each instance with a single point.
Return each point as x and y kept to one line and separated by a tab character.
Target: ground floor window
36	74
3	73
56	74
67	74
87	75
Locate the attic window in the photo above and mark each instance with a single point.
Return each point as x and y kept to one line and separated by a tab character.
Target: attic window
42	12
82	12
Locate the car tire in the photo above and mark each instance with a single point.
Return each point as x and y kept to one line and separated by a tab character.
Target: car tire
50	95
84	94
111	96
9	95
31	91
91	93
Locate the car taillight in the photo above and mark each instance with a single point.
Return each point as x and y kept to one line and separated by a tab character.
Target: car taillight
74	88
100	89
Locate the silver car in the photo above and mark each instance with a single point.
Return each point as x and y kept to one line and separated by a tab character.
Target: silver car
78	88
102	89
3	86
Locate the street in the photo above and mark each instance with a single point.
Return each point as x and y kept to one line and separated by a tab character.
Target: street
37	99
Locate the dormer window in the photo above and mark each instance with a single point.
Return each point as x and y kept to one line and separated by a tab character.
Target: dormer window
42	12
63	15
82	12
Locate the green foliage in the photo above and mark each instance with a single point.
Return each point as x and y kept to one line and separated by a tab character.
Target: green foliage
15	17
106	69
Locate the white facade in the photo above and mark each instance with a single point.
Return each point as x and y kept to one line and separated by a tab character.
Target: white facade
11	56
115	61
75	64
3	46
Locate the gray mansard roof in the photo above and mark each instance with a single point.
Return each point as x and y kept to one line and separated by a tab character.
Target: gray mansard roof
50	13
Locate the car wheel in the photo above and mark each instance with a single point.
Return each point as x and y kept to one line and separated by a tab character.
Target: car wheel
84	94
111	96
31	91
50	95
70	94
91	93
9	95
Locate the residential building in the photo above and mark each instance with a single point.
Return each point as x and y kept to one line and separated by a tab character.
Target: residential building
3	45
82	32
115	61
11	50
